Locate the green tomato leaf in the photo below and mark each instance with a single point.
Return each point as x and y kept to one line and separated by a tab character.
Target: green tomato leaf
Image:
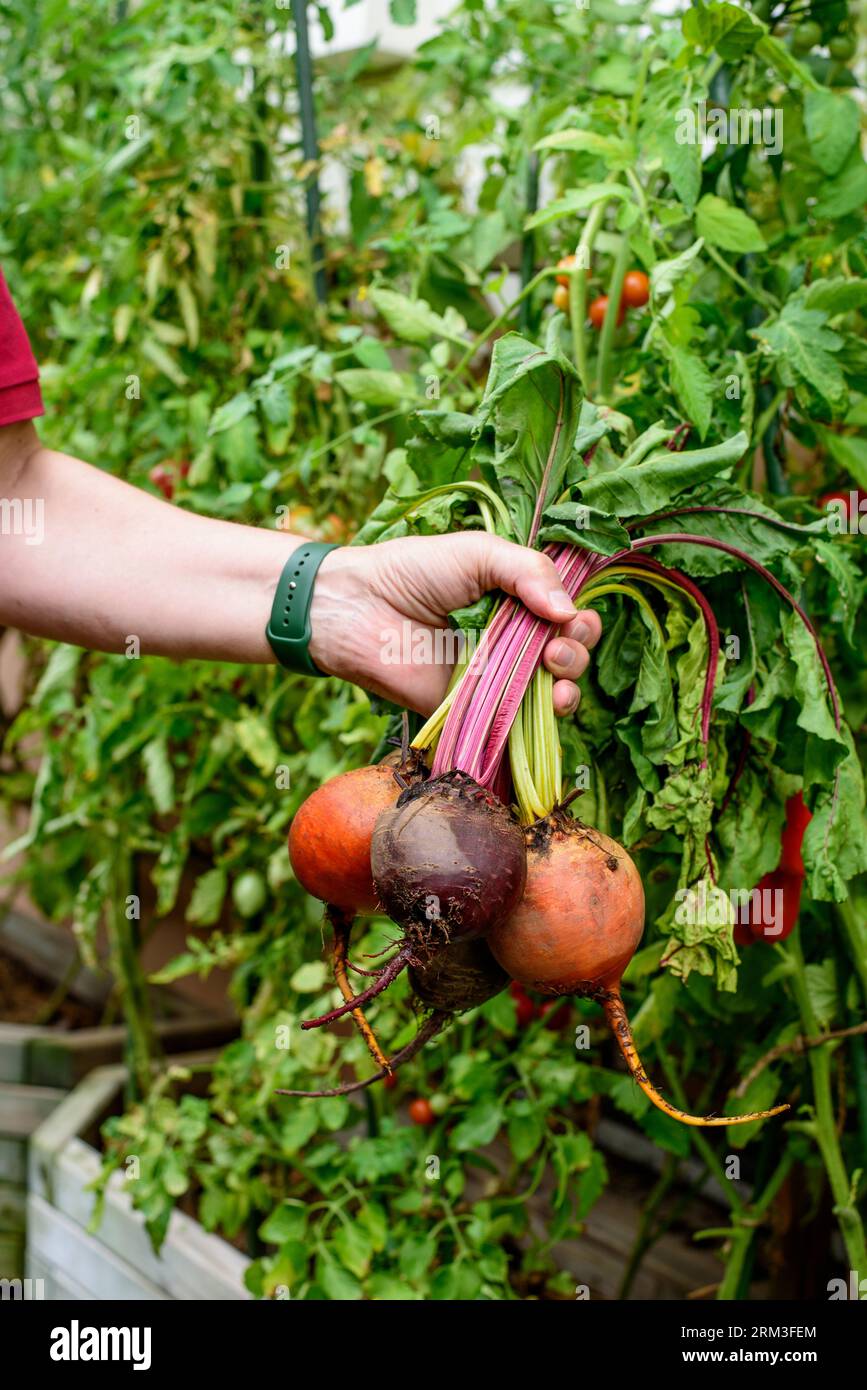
724	27
728	227
255	737
577	201
375	388
832	123
479	1126
351	1244
849	451
803	348
288	1221
206	902
847	192
693	385
525	1129
822	990
159	775
616	153
665	275
310	977
411	320
231	413
836	296
337	1283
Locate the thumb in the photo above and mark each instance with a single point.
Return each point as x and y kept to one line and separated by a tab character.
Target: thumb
528	575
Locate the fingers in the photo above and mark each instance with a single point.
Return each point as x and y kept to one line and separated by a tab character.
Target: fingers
585	627
533	578
566	698
567	657
529	575
564	657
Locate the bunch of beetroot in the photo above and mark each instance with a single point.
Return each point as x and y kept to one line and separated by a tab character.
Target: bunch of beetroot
464	839
479	896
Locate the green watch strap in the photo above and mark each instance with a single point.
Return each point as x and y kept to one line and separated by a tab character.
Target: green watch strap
288	629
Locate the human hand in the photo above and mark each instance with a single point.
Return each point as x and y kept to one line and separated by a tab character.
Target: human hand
379	613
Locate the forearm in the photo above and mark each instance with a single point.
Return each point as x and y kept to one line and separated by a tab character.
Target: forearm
106	564
86	559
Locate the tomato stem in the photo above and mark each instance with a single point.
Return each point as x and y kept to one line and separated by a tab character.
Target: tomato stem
578	291
612	313
819	1059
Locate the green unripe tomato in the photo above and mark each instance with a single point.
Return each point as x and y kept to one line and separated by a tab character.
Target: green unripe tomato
806	36
839	75
841	47
439	1102
249	893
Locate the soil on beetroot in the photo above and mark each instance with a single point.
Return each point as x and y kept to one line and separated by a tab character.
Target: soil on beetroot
24	997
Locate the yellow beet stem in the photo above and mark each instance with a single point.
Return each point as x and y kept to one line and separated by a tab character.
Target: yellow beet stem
618	1022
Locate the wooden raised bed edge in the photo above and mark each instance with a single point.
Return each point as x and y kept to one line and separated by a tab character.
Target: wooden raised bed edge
116	1261
40	1064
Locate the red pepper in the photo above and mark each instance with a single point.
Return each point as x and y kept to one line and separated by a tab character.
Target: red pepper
767	917
854	498
798	817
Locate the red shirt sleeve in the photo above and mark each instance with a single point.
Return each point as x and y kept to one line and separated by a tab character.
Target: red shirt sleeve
20	396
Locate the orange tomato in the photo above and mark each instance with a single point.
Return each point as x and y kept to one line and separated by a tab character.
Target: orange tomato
599	308
565	263
421	1112
636	289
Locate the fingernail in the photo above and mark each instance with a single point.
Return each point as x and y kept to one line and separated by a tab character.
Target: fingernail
580	632
561	603
571	704
563	655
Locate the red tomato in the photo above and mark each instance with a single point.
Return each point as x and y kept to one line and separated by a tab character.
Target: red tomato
525	1009
798	817
565	263
421	1112
390	1081
636	289
599	308
561	299
162	478
773	909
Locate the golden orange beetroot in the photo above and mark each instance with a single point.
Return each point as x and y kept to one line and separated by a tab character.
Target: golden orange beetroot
576	929
582	914
329	839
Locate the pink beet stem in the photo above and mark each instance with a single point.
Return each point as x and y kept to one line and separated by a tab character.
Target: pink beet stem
642	542
476	731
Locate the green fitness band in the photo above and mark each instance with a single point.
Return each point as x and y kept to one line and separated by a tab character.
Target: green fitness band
288	628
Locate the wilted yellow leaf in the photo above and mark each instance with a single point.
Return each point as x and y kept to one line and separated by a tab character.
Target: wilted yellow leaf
189	312
374	170
122	322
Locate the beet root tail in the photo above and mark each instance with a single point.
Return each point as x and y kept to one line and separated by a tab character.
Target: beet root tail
435	1024
388	973
341	923
618	1022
